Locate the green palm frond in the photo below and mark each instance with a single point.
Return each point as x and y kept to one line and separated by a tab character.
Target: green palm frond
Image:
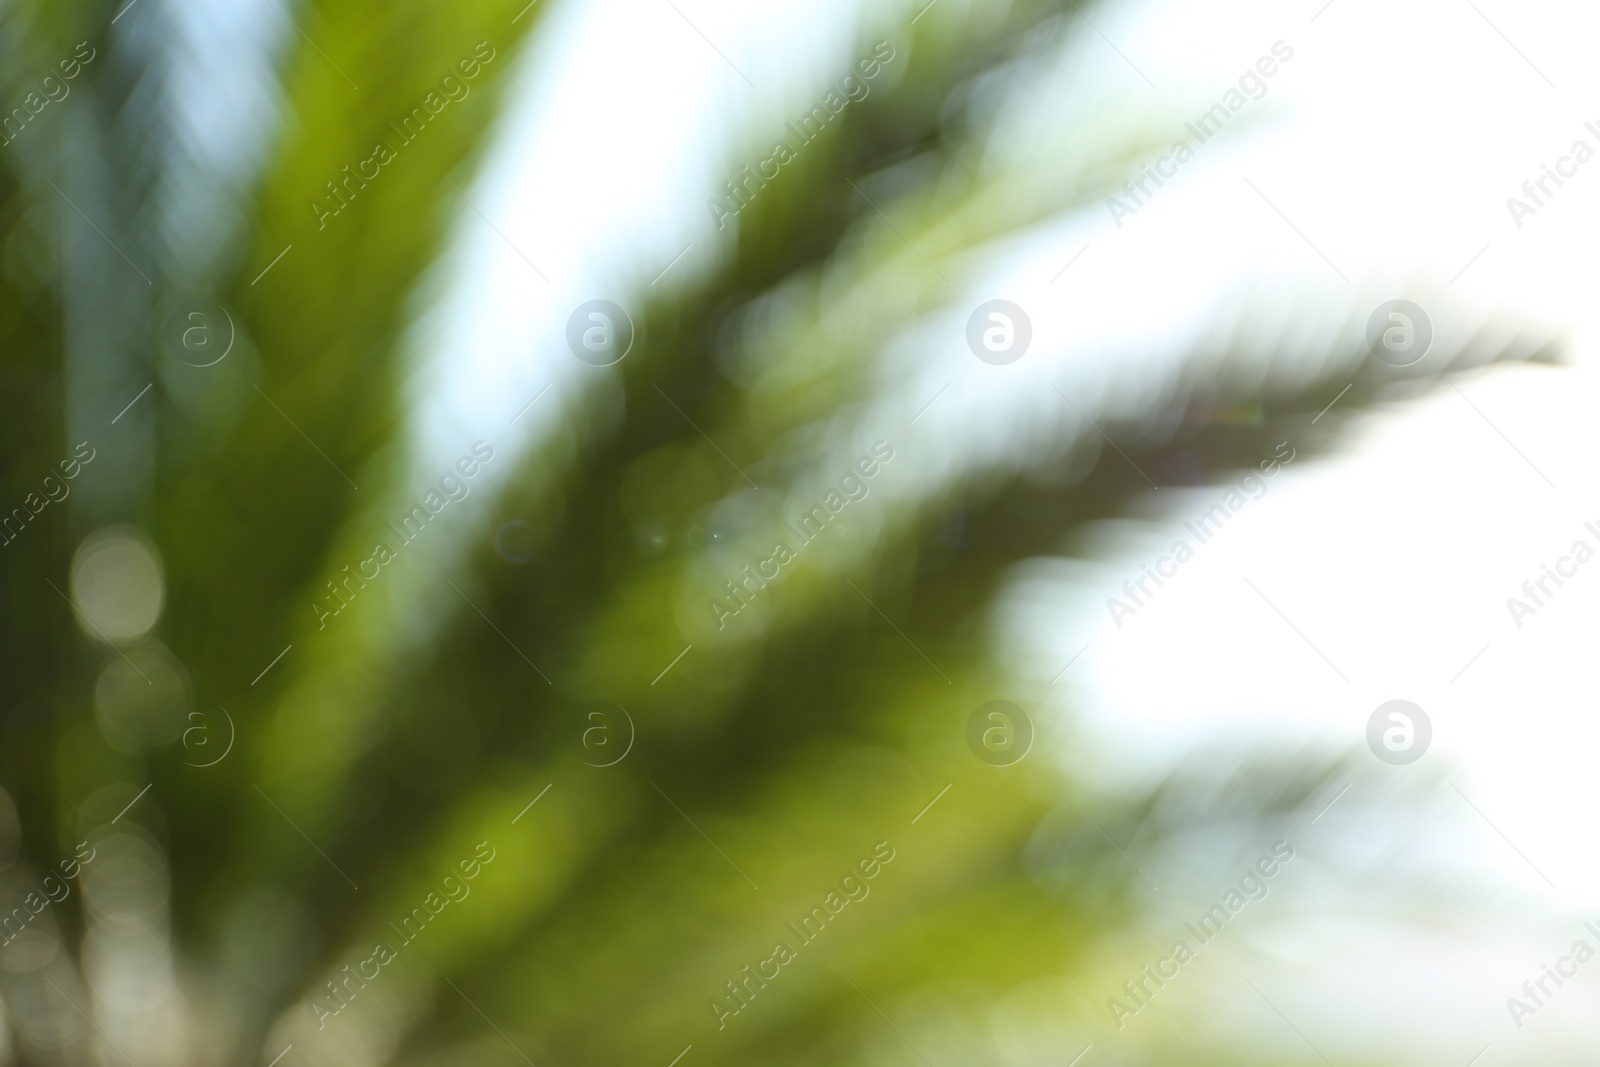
765	763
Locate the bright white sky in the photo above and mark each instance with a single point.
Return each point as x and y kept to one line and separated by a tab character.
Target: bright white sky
1390	143
1377	167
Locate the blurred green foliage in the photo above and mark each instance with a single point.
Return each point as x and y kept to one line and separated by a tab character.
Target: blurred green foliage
607	921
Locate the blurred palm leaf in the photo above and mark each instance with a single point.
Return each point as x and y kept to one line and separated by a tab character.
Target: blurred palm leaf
608	919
